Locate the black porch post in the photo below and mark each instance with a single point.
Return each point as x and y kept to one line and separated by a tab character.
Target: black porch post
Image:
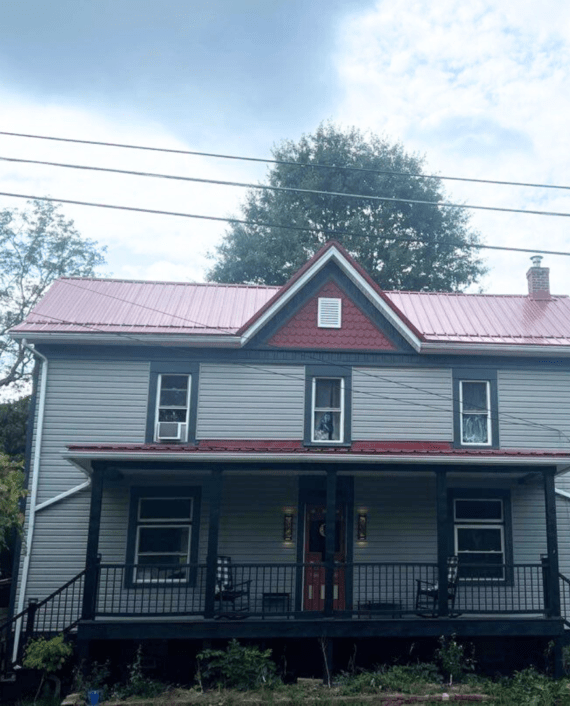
553	598
442	542
330	536
213	534
91	561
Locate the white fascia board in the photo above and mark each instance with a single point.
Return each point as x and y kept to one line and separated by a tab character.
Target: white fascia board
355	277
181	457
133	339
494	349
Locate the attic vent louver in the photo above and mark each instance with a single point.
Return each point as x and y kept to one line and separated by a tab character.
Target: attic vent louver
329	312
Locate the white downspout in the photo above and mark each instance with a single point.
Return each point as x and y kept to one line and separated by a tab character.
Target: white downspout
33	494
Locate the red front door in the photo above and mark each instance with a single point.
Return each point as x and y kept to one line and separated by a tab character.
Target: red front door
315	534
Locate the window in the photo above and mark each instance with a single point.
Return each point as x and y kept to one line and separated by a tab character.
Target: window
328	398
172	407
327	405
330	310
162	534
481	533
476	413
172	402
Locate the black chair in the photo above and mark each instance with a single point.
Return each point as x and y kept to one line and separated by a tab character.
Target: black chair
229	593
427	595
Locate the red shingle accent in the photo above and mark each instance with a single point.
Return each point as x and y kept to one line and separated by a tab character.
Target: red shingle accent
356	333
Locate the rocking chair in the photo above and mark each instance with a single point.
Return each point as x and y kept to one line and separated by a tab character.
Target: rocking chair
228	592
427	595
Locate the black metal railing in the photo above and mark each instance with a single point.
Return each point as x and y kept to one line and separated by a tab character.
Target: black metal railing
58	613
361	590
564	584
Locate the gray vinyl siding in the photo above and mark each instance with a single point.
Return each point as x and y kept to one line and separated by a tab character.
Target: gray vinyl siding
250	402
534	409
86	402
402	404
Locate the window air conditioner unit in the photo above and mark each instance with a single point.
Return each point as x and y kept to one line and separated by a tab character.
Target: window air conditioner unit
171	431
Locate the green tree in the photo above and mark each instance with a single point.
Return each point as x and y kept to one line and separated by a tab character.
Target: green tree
11	492
37	245
402	245
13	423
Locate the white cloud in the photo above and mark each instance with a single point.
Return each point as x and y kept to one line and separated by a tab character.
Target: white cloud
482	89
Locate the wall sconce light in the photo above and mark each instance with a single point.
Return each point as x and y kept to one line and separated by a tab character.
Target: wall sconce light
288	527
361	528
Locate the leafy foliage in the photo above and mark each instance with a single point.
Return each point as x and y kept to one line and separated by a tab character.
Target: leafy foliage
408	679
37	245
137	683
13	422
47	655
238	667
452	658
11	492
402	245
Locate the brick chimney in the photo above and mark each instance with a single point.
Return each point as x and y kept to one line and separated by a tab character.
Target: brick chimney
538	280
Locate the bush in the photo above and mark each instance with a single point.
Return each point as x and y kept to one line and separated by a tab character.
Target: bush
238	667
47	655
137	684
402	678
453	661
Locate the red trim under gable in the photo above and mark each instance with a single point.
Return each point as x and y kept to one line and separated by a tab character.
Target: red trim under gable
357	332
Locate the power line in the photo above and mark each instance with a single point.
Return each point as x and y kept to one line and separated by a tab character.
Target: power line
241	221
311	165
289	189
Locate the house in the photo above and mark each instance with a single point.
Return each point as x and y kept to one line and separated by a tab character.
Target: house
193	443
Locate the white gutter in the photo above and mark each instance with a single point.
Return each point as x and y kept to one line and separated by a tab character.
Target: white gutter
132	338
33	494
66	494
494	349
562	493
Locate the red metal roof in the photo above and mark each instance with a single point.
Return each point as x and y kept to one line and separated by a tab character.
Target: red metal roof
487	318
358	448
121	306
75	305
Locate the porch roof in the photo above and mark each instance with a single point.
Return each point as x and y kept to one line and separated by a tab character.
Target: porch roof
283	451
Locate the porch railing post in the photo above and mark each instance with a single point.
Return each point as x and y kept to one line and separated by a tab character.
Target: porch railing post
91	558
330	536
213	535
442	543
552	586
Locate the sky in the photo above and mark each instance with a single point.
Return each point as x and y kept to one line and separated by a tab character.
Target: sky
481	89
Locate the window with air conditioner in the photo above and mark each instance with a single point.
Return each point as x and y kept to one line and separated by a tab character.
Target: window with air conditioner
172	408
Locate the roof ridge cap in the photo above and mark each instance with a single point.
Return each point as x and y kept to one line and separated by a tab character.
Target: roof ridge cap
157	281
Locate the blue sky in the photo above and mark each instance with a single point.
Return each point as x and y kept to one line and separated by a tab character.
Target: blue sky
482	90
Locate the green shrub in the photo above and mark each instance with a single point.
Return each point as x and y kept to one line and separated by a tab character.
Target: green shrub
453	661
238	667
137	683
47	655
410	678
530	688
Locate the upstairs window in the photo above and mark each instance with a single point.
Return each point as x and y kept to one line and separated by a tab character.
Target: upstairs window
475	412
328	410
479	537
172	408
330	312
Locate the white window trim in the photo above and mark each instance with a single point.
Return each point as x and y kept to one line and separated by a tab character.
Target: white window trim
158	523
489	441
184	436
315	409
480	524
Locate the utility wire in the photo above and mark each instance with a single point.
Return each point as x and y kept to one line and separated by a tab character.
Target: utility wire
241	221
312	165
294	190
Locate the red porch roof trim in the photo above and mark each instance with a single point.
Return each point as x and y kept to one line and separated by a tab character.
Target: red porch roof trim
263	448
